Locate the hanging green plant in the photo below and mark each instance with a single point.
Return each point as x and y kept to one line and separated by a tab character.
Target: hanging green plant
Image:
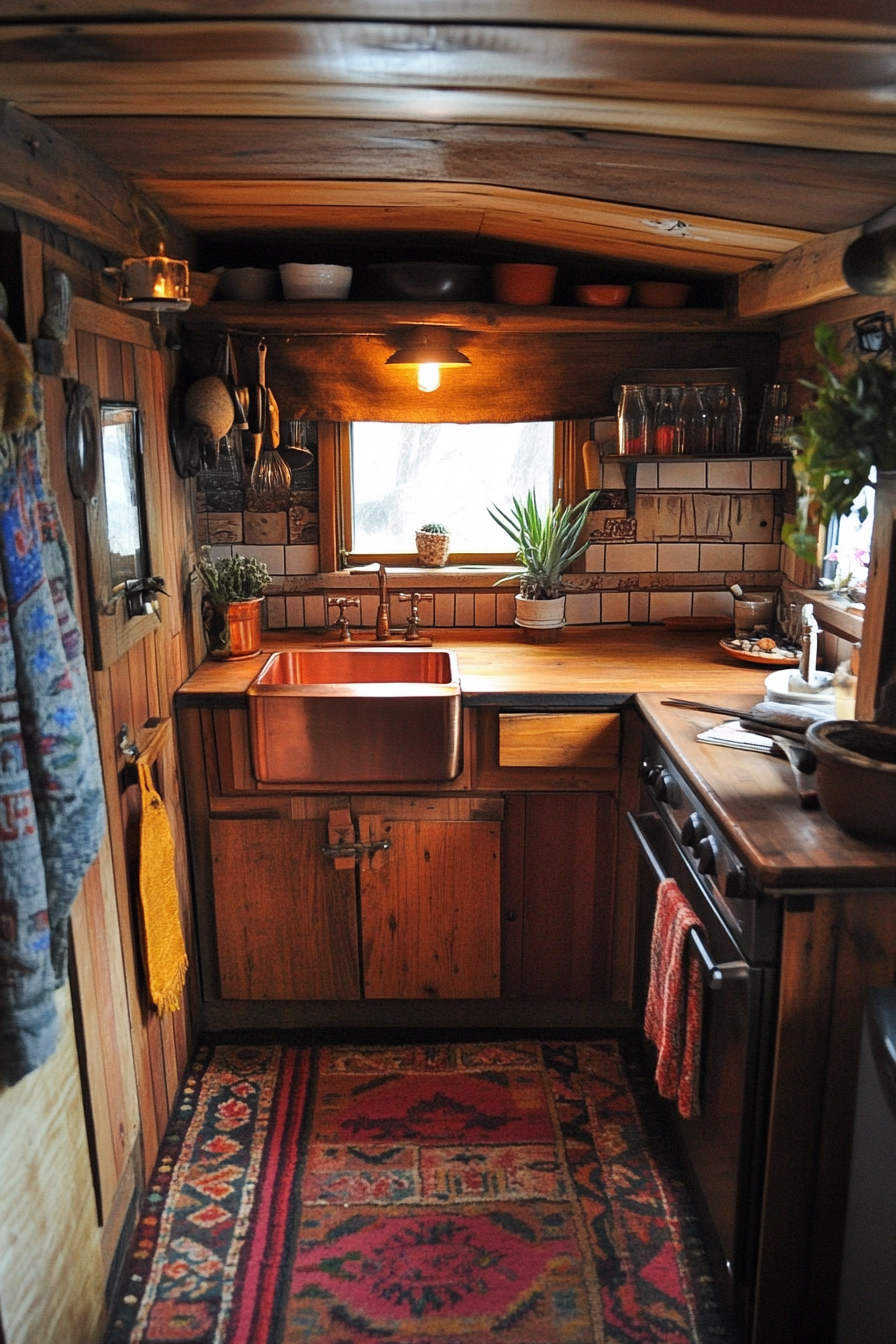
848	429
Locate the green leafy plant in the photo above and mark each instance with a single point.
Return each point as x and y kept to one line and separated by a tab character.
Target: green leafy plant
546	544
435	528
849	428
238	579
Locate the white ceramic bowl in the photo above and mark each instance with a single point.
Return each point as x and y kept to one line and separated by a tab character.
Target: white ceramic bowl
315	280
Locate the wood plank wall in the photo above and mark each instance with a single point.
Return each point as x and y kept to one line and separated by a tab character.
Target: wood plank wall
99	1111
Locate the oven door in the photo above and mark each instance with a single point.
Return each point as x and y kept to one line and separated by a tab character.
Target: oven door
724	1146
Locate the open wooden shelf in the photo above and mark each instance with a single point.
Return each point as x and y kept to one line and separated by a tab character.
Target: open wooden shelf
347	318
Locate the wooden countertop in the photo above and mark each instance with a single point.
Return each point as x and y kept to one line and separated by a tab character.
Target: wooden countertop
597	667
753	797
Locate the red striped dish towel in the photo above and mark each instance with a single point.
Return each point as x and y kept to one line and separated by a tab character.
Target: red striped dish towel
674	1014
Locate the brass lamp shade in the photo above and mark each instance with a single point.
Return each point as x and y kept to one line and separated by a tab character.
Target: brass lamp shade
429	345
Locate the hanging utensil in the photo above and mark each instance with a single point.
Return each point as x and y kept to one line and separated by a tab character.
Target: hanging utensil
225	368
257	410
270	474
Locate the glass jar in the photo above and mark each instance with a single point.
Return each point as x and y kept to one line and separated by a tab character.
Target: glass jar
633	421
692	421
666	429
774	421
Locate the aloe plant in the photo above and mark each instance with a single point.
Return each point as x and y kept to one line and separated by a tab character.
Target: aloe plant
849	428
546	544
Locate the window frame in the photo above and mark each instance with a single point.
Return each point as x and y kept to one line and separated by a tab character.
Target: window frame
334	455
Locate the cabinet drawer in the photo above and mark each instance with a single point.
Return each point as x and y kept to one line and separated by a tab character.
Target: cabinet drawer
558	740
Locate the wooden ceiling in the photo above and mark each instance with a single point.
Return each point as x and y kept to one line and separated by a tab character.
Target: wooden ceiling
704	137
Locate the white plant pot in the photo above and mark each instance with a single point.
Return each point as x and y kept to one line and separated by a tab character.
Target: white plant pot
540	613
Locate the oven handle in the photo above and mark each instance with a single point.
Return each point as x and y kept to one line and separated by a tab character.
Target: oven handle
714	973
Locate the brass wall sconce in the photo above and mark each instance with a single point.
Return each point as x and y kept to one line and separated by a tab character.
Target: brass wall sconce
430	349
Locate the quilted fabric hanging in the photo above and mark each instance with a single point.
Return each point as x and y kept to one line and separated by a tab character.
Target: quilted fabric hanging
52	809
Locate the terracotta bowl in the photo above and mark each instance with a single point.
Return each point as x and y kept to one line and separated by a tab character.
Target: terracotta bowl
603	296
856	776
661	294
523	282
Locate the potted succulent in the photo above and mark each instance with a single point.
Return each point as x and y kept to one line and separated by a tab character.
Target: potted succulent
546	544
433	545
231	605
848	429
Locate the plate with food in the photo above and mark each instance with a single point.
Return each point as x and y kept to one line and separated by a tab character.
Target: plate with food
766	652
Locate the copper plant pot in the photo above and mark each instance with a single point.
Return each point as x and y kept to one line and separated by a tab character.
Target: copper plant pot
233	629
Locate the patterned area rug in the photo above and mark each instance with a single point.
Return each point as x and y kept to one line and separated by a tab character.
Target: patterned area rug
414	1195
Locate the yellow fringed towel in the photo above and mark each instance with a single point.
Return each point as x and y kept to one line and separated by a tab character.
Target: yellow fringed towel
166	956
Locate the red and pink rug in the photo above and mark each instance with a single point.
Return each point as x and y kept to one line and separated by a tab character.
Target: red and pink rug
448	1194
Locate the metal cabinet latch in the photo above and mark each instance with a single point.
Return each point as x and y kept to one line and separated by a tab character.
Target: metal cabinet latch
358	850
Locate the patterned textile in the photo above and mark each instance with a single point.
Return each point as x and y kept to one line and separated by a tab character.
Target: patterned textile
52	812
673	1018
446	1194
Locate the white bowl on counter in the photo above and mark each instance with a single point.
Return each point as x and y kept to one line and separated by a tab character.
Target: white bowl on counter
302	281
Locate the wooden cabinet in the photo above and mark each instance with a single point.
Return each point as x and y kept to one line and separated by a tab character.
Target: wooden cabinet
417	920
557	895
286	920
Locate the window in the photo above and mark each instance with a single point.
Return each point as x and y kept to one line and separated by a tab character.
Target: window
848	544
396	477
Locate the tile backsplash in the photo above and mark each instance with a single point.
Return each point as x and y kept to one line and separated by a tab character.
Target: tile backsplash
670	546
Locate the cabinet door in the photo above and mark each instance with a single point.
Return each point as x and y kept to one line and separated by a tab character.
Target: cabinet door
430	909
286	919
558	880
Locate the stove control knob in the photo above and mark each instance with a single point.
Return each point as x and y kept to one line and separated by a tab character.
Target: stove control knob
735	883
667	790
693	831
707	853
650	772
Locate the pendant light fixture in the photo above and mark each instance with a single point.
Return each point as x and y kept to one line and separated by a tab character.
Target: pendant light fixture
429	349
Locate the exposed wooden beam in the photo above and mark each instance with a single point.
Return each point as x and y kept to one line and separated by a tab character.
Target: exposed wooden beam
561	222
45	174
835	94
811	189
818	18
809	274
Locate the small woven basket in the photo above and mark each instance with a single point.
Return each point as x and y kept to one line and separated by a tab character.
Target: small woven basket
433	548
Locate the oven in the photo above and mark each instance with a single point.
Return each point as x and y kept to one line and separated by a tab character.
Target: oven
738	953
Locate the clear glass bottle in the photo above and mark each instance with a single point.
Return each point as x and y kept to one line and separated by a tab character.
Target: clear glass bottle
773	419
666	430
633	421
693	425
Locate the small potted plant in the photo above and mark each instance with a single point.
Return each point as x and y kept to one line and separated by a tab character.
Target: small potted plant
231	605
433	545
546	544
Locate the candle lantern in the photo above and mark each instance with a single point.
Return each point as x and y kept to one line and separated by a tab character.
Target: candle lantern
156	283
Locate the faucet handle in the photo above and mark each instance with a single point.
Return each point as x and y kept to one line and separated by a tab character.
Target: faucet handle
341	624
412	632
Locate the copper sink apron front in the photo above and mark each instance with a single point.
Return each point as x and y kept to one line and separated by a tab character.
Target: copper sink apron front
361	715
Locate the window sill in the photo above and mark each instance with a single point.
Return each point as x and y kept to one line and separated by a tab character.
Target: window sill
839	617
401	576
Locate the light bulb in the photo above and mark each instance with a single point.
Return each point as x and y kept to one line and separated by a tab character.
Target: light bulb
428	378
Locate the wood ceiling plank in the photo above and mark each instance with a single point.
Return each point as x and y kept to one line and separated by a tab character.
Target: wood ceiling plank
808	275
837	94
47	95
819	18
47	175
490	56
543	218
811	189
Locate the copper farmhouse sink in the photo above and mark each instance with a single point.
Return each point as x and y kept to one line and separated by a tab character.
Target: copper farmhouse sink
356	715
